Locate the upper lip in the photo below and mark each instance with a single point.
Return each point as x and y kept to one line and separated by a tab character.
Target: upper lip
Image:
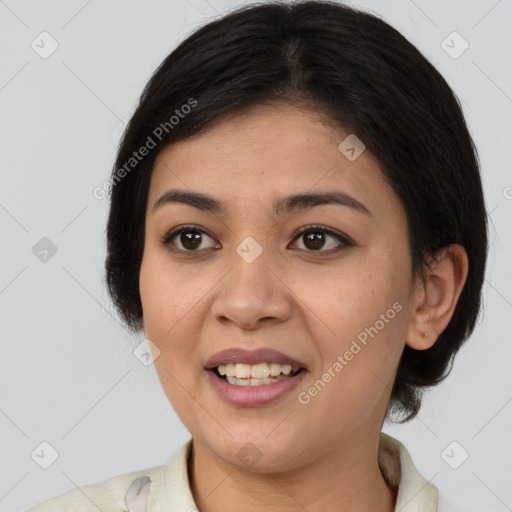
243	356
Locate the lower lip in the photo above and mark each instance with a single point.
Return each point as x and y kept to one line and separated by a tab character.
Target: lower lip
249	396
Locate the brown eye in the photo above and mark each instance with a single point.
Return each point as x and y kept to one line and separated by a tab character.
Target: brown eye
189	238
315	239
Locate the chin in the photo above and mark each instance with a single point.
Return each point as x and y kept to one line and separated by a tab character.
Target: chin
259	454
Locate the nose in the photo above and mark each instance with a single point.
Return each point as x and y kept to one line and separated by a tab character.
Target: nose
252	294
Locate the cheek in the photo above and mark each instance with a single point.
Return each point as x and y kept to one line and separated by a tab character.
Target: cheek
172	309
161	311
165	297
352	297
363	313
167	309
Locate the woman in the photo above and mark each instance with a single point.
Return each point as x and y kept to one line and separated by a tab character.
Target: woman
297	224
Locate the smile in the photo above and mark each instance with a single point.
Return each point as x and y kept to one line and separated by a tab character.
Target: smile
256	374
253	391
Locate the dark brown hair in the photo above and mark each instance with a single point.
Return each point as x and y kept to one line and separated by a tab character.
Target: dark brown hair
356	70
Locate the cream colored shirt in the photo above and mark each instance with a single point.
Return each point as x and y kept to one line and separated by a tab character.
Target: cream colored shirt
169	490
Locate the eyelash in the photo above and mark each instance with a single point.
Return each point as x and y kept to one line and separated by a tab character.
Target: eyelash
166	240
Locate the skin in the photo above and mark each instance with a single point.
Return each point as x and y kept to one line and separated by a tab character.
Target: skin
290	298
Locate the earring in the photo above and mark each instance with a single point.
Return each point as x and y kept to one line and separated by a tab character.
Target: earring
425	335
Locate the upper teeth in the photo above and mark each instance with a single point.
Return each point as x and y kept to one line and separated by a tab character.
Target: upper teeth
257	371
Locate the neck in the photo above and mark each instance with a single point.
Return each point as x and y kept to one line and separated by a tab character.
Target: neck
346	478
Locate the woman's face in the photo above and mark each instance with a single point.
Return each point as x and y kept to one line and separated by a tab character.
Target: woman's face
243	280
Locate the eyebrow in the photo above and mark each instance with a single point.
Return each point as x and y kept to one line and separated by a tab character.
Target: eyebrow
285	205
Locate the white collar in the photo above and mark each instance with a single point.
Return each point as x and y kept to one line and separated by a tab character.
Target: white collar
415	492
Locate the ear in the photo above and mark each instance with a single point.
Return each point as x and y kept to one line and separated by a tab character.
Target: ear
436	296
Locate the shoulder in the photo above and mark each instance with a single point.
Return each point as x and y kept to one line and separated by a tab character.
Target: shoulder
107	496
414	491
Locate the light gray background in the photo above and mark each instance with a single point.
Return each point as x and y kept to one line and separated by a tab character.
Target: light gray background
68	374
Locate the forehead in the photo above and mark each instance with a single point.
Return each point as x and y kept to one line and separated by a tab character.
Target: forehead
264	153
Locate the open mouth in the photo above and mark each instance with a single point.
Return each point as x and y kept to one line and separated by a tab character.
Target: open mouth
254	381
